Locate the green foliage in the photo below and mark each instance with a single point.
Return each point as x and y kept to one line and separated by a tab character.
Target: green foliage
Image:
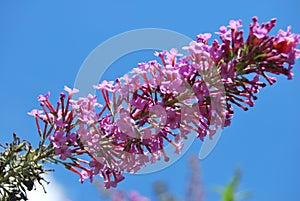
20	167
229	193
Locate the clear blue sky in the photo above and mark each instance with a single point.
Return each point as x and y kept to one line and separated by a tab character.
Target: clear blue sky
43	44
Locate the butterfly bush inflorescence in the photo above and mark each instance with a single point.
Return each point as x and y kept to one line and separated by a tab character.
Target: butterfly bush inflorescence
161	103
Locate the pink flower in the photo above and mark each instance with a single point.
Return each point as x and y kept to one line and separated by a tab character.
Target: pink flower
96	166
173	119
118	177
203	38
160	54
63	152
139	103
260	32
71	138
144	66
126	127
58	139
228	71
71	91
187	113
45	97
225	34
109	86
171	57
157	114
235	24
178	147
35	113
85	108
85	175
201	91
59	123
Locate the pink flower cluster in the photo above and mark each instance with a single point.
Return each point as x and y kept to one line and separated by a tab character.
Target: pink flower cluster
158	104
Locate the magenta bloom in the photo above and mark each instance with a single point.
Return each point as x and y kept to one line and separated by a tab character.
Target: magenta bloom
58	139
139	103
63	152
173	119
35	112
105	85
44	97
235	24
71	91
203	38
158	104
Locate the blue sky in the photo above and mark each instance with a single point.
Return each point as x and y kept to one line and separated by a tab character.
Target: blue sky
43	44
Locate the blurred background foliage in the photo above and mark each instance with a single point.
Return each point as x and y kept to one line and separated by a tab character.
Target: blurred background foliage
194	189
